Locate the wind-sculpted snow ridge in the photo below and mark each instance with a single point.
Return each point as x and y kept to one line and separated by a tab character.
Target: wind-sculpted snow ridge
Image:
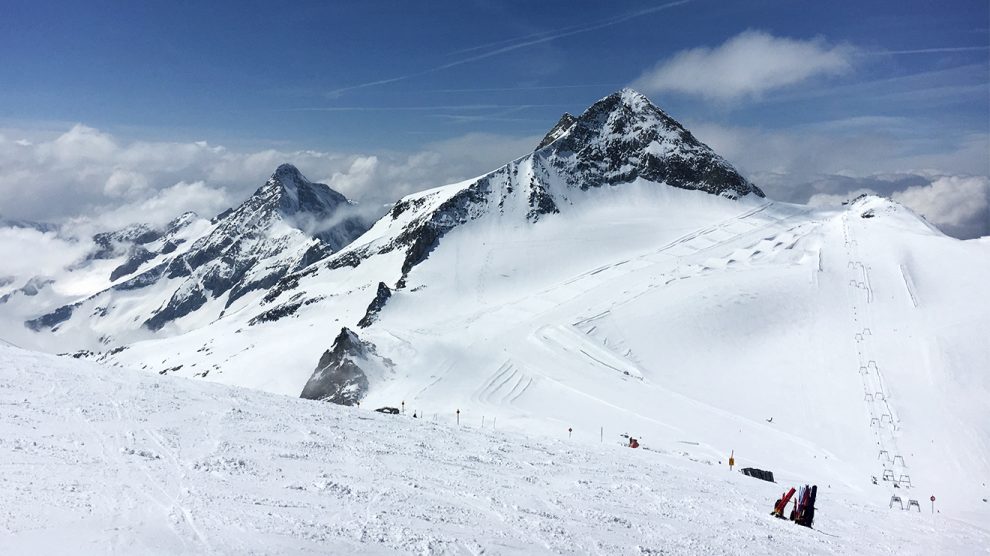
99	461
286	225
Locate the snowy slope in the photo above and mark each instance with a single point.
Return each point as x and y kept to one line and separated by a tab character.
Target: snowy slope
571	289
97	461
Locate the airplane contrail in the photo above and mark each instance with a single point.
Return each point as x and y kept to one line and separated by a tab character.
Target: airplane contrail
523	42
934	50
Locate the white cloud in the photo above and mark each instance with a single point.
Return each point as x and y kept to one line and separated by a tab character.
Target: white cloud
356	177
941	178
27	252
162	207
834	157
385	177
125	183
746	65
84	174
959	206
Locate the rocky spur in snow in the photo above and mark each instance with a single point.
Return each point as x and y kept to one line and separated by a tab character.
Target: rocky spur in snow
376	305
341	375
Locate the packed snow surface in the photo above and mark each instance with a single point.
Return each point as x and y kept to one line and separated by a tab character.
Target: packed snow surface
96	460
812	342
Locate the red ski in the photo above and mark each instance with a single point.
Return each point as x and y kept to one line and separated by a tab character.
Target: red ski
778	510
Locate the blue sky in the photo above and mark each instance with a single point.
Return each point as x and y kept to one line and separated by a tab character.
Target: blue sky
792	92
260	73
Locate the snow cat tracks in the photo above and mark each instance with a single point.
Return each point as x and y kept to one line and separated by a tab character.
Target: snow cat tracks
506	385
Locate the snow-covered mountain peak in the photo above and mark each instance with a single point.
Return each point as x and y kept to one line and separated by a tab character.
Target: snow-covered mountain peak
286	170
182	220
289	197
288	191
624	136
288	223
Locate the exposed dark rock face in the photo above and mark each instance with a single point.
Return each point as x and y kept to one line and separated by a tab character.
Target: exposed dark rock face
564	125
624	136
376	305
338	377
142	280
53	319
222	215
421	238
181	304
138	256
116	243
540	201
169	247
283	310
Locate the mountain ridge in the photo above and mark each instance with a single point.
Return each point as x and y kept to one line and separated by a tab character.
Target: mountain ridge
286	224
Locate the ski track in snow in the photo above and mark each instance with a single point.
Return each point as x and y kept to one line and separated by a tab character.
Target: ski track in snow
101	461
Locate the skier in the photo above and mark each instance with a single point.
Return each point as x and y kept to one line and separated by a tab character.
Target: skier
633	443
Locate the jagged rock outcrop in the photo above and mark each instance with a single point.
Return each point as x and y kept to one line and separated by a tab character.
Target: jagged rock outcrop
339	377
564	125
376	305
136	257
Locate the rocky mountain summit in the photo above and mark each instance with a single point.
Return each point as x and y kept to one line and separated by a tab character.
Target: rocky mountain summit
288	223
623	137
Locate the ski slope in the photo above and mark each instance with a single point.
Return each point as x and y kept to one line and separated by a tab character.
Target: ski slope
819	344
624	279
758	333
99	460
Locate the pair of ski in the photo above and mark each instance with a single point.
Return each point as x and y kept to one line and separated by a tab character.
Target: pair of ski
804	505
